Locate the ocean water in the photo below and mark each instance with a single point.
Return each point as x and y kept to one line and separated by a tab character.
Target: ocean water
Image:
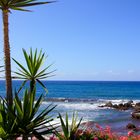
85	97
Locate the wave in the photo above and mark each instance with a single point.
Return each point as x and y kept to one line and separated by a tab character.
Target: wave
70	100
75	106
91	101
82	104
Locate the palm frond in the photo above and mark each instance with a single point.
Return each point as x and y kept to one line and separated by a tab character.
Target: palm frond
26	4
33	71
19	9
20	4
21	66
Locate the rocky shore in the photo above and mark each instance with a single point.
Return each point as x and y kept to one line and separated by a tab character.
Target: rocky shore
130	105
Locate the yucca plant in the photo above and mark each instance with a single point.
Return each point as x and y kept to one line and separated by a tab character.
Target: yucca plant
28	119
24	118
6	6
69	130
7	121
33	71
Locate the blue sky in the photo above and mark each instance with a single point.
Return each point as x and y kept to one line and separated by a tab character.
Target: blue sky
86	40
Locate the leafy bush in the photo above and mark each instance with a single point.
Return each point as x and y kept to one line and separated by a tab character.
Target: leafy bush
7	121
29	120
24	119
96	133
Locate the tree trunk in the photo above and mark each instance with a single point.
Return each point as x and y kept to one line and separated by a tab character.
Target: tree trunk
32	85
7	57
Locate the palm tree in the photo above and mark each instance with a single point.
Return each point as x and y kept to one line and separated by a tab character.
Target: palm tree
6	6
33	70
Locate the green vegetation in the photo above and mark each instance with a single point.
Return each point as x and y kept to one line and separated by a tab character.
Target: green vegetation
69	130
33	71
23	119
6	6
7	121
29	121
96	133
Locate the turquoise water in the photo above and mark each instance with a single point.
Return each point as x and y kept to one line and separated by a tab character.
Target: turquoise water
85	97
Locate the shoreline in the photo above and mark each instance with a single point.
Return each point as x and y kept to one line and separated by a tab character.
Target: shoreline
106	116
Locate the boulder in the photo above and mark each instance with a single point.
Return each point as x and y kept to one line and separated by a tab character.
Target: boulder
130	102
137	106
136	115
109	104
115	106
128	105
101	106
130	126
120	105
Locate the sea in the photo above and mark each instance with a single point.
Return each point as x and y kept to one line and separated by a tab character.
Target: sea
85	97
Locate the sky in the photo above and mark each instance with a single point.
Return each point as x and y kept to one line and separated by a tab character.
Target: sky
90	40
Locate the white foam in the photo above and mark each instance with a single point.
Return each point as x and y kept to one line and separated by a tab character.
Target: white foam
79	106
56	122
75	106
86	105
136	101
117	101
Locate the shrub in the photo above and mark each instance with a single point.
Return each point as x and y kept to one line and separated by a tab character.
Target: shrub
96	133
24	119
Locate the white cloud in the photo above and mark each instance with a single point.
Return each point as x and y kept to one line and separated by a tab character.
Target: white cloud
130	71
111	72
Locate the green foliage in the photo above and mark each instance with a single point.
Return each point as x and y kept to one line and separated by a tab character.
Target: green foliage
87	134
7	121
7	5
33	71
28	119
24	119
69	130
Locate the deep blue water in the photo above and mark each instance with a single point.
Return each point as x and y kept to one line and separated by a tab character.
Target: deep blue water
96	90
86	89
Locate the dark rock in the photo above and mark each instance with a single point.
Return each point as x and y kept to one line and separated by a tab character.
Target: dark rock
129	105
136	115
137	107
130	102
101	106
120	105
109	104
137	104
115	106
130	126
